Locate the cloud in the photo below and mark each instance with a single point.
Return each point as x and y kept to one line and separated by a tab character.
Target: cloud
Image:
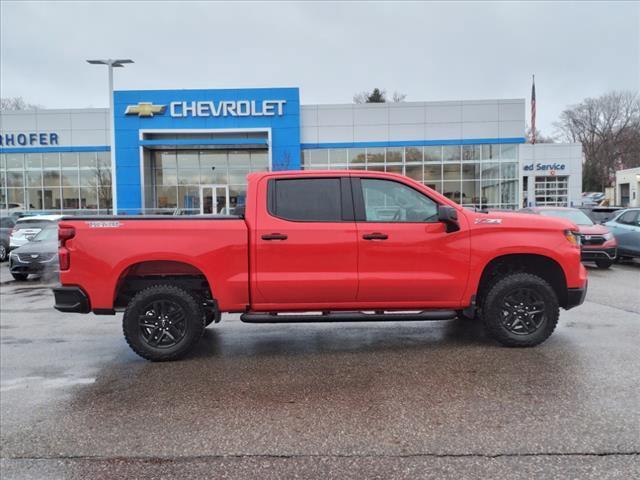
430	51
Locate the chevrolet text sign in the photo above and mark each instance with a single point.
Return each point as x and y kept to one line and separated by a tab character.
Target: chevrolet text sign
228	108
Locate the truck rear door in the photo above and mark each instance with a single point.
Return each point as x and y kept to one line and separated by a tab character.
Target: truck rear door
305	243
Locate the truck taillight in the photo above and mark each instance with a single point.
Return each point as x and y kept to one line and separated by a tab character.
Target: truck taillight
65	233
64	258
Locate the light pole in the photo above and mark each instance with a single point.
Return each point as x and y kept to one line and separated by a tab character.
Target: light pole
111	64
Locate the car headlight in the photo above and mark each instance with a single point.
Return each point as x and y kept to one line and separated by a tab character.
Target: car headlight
608	236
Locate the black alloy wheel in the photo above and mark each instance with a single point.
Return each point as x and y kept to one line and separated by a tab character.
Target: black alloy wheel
523	311
163	324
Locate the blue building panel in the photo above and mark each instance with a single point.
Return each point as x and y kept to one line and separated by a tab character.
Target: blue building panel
276	109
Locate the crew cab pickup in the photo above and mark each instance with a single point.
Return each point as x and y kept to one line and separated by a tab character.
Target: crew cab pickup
322	246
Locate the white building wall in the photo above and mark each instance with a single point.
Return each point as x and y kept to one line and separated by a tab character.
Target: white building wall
551	159
85	127
632	177
412	121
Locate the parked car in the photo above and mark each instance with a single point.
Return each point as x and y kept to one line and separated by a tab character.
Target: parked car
592	198
26	228
625	227
596	241
6	225
39	256
600	214
337	245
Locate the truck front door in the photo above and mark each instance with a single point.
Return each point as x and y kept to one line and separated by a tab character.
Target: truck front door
305	244
406	257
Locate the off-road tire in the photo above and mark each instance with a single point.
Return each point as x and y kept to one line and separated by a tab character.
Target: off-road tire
138	308
20	277
604	264
493	310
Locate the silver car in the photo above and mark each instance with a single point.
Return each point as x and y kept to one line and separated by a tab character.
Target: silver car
27	228
625	226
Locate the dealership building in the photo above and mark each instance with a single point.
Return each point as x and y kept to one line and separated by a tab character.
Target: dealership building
189	151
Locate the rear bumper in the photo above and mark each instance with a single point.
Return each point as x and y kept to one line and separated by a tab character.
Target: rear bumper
598	254
576	296
71	299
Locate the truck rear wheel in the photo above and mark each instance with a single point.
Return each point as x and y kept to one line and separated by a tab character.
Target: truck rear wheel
163	322
520	310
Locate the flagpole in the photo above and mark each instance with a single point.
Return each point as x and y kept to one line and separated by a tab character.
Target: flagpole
533	109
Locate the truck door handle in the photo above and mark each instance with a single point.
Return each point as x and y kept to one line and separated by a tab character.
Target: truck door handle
375	236
274	236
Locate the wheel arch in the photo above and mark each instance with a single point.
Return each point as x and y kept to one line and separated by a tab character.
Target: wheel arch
144	273
540	265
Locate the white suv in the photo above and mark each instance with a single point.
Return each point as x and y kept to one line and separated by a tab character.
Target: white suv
28	227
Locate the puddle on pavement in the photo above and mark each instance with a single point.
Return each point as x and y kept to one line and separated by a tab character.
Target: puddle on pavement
44	382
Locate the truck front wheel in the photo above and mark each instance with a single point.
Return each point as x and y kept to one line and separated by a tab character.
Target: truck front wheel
520	310
163	322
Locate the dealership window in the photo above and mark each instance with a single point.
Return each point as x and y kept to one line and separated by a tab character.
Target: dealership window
56	182
474	175
175	176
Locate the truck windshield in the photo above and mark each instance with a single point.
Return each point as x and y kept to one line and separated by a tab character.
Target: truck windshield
576	216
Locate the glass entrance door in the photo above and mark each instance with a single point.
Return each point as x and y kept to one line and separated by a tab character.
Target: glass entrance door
214	199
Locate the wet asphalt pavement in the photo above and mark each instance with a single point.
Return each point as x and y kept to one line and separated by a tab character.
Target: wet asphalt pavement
394	400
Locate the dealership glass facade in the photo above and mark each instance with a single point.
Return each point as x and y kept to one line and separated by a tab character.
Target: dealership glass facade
56	181
173	177
483	176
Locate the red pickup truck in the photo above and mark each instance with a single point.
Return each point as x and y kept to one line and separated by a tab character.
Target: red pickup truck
322	246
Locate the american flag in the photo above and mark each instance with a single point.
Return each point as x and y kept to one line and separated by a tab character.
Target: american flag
533	110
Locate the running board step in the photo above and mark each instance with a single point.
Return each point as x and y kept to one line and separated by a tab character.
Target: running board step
427	315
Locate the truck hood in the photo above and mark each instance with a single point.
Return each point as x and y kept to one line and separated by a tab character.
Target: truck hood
518	220
593	229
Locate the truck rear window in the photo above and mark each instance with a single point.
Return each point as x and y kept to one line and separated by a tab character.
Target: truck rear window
306	199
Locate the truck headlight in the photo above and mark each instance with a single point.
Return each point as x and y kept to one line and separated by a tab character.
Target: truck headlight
572	237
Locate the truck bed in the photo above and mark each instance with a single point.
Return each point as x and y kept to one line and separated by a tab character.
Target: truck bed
106	250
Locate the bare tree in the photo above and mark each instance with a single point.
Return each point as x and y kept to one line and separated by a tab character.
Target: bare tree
398	97
608	127
102	180
540	137
8	104
377	95
374	96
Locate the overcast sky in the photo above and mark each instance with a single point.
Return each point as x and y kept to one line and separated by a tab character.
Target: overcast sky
430	51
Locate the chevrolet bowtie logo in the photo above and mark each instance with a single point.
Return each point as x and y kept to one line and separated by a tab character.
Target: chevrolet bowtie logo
145	109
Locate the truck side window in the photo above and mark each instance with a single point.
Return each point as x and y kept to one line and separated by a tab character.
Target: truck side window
388	201
307	199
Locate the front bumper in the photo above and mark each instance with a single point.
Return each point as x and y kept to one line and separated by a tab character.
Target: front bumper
71	299
591	254
576	296
34	267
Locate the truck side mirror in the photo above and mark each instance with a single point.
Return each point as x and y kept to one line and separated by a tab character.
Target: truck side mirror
449	216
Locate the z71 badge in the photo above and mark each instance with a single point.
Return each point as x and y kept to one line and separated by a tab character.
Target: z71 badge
487	221
104	224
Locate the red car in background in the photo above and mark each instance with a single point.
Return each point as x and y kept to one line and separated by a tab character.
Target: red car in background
597	242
